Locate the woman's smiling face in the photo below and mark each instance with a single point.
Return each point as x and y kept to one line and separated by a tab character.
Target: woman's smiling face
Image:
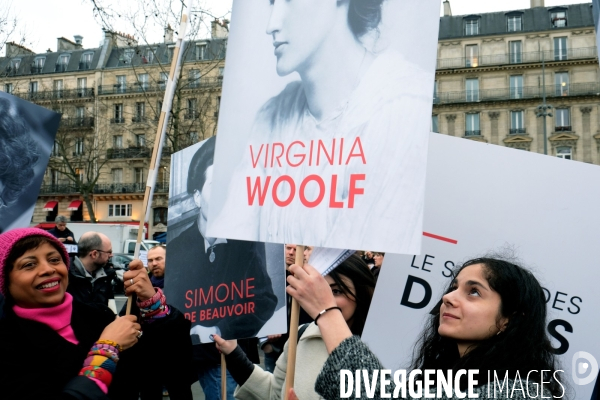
299	28
470	311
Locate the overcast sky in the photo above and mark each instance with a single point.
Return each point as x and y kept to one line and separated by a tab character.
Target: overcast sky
46	20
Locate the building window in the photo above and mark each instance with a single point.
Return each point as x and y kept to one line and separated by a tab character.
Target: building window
33	87
170	52
201	52
143	81
120	210
81	87
471	27
78	147
558	19
54	177
118	142
515	53
562	120
560	48
159	104
564	152
516	87
140	140
472	92
38	65
58	88
14	64
192	109
561	83
471	56
517	122
140	112
121	85
8	88
79	172
193	137
434	123
138	175
221	72
514	23
118	114
117	175
162	80
160	215
194	78
62	63
79	116
472	124
128	55
55	150
86	61
148	56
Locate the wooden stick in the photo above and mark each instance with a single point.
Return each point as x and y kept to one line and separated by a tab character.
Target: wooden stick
161	130
293	340
223	377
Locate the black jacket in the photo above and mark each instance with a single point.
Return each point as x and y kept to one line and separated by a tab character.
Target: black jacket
84	291
37	363
57	233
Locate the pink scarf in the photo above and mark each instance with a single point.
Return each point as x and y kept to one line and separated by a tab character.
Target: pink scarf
58	317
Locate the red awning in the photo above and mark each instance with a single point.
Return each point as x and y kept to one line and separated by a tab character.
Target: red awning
74	206
50	205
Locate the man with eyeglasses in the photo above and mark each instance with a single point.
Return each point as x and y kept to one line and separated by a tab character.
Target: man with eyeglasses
90	276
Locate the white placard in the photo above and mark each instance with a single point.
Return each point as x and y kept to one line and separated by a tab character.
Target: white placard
483	198
71	248
323	127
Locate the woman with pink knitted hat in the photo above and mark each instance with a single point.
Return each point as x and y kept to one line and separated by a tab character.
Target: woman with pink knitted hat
55	348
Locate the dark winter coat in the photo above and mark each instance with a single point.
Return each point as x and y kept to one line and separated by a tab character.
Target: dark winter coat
38	363
57	233
87	292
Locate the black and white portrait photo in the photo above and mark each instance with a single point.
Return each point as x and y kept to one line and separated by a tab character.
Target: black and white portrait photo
324	123
27	134
224	286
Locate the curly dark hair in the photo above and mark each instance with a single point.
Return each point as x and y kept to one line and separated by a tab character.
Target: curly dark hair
18	153
364	16
522	347
202	159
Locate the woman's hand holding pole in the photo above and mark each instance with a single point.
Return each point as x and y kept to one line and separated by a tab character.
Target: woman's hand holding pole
314	295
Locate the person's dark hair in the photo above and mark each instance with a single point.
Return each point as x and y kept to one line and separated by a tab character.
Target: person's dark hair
87	243
523	346
22	246
364	16
18	153
361	277
203	159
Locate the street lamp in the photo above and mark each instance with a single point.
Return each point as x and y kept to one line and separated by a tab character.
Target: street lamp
544	109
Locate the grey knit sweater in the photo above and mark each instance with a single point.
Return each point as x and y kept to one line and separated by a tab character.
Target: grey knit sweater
352	354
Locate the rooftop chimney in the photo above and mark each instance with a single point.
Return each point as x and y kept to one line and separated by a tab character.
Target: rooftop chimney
78	39
537	3
447	10
168	34
219	30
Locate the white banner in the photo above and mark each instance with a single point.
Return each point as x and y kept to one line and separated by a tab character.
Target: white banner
482	198
323	124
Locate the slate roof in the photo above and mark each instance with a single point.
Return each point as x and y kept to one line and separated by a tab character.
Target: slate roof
533	20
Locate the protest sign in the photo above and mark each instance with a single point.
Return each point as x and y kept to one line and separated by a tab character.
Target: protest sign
230	287
27	133
323	123
483	198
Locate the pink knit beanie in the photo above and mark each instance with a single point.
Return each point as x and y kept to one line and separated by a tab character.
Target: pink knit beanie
8	240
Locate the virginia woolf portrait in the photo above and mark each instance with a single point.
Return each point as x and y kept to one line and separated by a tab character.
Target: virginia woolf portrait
336	158
26	136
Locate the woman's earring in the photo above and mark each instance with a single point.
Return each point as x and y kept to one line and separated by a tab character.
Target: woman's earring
499	332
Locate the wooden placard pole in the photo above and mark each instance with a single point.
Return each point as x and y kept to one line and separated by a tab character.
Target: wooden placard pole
293	340
163	121
223	377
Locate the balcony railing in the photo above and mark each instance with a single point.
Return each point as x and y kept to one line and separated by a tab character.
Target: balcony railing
517	131
48	95
139	119
77	123
83	65
518	58
61	67
161	187
130	152
117	120
564	128
472	133
36	69
190	115
526	92
120	88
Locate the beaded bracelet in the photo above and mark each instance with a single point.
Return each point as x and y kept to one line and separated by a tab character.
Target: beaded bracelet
104	353
156	297
102	362
110	343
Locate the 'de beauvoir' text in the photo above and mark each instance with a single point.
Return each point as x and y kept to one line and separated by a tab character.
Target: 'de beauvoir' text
430	385
297	154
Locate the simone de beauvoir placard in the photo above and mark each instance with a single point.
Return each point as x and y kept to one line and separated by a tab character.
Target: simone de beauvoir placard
337	158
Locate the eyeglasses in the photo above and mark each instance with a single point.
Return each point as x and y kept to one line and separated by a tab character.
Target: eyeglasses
102	251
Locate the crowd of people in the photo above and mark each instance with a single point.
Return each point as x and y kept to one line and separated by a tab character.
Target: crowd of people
492	317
